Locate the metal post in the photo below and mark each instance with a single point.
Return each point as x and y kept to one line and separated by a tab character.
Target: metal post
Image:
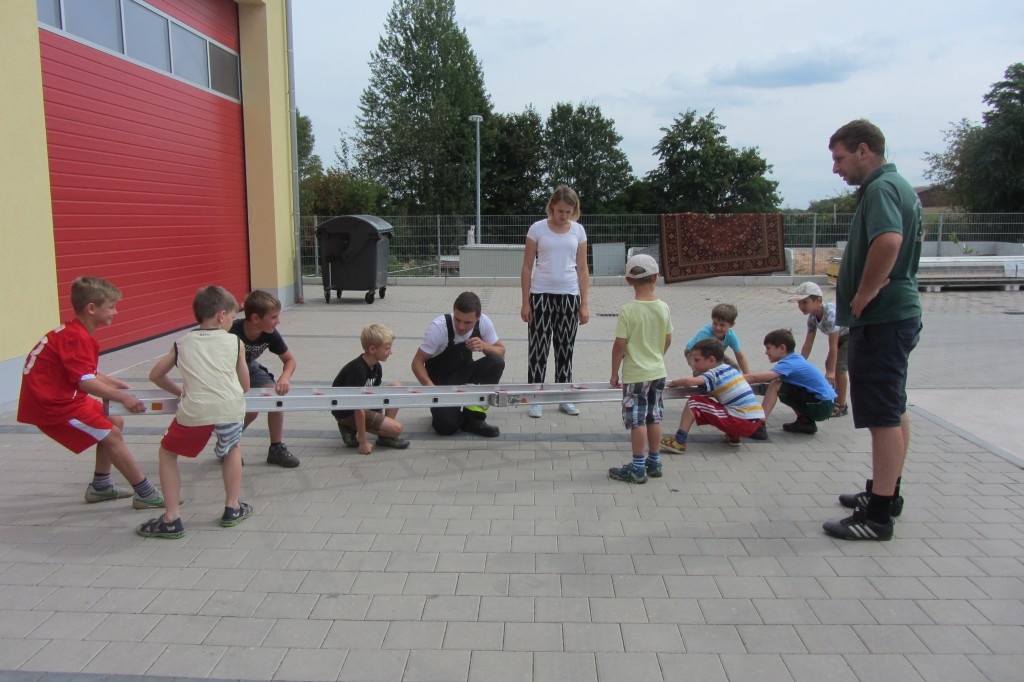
938	238
814	244
476	118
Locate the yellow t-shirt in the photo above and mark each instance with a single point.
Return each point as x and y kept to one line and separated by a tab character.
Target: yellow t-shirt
644	325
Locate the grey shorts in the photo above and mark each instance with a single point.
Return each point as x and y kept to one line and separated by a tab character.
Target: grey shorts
260	376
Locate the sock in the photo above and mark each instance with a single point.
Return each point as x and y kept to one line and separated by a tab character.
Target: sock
274	445
681	436
639	462
880	509
144	488
654	457
100	481
896	493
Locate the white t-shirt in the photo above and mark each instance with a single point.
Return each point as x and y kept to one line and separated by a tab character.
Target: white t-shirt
435	340
555	270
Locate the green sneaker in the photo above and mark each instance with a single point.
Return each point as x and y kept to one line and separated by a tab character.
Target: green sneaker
151	501
653	468
348	436
112	493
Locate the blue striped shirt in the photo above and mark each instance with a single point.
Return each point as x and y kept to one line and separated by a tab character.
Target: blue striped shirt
726	384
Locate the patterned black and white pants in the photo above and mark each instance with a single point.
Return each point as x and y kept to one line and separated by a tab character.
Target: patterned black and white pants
556	317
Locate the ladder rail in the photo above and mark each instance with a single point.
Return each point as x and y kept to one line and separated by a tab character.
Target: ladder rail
309	399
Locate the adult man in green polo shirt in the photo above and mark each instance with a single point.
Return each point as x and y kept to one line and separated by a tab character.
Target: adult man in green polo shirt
877	298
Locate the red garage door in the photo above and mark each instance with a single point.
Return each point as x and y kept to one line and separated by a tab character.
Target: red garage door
146	168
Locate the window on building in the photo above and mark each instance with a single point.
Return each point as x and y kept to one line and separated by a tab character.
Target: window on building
49	12
224	71
188	55
98	21
146	36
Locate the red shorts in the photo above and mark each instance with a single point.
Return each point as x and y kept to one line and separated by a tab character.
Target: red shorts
87	428
709	411
189	441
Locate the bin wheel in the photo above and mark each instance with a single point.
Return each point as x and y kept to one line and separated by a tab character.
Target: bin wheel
337	295
327	295
383	291
369	297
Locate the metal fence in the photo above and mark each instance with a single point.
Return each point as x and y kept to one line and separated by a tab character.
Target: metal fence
426	246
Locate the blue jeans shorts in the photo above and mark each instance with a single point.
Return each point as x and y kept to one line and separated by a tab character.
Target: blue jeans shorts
642	403
879	356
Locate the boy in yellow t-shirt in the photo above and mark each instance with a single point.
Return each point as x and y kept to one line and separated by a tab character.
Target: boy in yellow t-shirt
642	337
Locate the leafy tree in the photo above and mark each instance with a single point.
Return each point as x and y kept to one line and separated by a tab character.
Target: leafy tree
412	132
982	169
512	165
841	202
581	149
310	165
700	172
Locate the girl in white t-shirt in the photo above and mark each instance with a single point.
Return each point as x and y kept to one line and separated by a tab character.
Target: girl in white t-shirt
556	287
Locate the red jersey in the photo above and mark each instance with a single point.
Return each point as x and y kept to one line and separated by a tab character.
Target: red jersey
49	381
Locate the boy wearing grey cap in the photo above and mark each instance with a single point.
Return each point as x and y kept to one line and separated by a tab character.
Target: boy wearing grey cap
821	316
642	337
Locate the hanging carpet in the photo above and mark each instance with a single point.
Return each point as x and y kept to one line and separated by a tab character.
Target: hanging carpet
701	245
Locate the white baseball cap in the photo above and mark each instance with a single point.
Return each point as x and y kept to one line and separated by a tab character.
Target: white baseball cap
646	263
804	290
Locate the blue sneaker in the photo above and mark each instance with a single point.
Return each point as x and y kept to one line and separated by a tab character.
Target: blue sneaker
653	468
628	474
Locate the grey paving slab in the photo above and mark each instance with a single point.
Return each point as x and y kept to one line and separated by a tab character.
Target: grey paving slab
517	558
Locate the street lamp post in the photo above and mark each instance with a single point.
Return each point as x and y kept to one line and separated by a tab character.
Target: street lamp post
476	118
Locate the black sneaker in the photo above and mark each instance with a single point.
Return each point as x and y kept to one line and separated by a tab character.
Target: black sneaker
348	436
861	499
761	433
233	517
480	427
653	468
628	474
858	526
389	442
801	426
280	455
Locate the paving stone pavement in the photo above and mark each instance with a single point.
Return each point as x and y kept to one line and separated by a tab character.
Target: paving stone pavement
517	558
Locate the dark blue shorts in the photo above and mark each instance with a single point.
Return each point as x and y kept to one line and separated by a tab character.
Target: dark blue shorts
879	356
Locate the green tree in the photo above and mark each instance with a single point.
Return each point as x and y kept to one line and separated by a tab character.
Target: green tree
512	166
982	169
841	202
310	165
699	171
412	132
581	149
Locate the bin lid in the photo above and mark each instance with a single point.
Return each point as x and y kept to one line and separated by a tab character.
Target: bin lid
356	224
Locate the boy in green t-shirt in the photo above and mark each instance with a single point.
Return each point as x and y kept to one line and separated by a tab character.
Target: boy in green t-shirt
642	337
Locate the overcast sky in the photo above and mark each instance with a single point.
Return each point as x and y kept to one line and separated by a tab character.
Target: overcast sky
780	76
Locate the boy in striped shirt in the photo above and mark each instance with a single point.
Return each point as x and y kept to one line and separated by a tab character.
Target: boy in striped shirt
729	404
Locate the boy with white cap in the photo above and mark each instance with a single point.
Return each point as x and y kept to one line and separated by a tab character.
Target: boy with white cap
821	316
642	337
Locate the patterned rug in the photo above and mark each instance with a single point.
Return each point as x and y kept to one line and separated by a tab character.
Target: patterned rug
701	245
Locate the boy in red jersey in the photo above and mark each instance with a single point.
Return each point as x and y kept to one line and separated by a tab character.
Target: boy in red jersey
59	378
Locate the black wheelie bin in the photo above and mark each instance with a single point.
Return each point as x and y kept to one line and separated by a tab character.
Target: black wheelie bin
354	255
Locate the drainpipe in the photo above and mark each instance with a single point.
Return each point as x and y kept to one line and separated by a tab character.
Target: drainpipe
299	295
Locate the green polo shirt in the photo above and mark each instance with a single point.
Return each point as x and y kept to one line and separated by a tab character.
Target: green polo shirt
888	204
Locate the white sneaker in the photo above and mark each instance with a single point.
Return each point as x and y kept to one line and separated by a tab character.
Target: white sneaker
569	409
536	411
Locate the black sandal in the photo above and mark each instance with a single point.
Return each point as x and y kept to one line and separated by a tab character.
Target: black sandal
159	528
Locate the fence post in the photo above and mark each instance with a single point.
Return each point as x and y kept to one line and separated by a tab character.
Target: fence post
439	271
938	238
316	249
814	244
